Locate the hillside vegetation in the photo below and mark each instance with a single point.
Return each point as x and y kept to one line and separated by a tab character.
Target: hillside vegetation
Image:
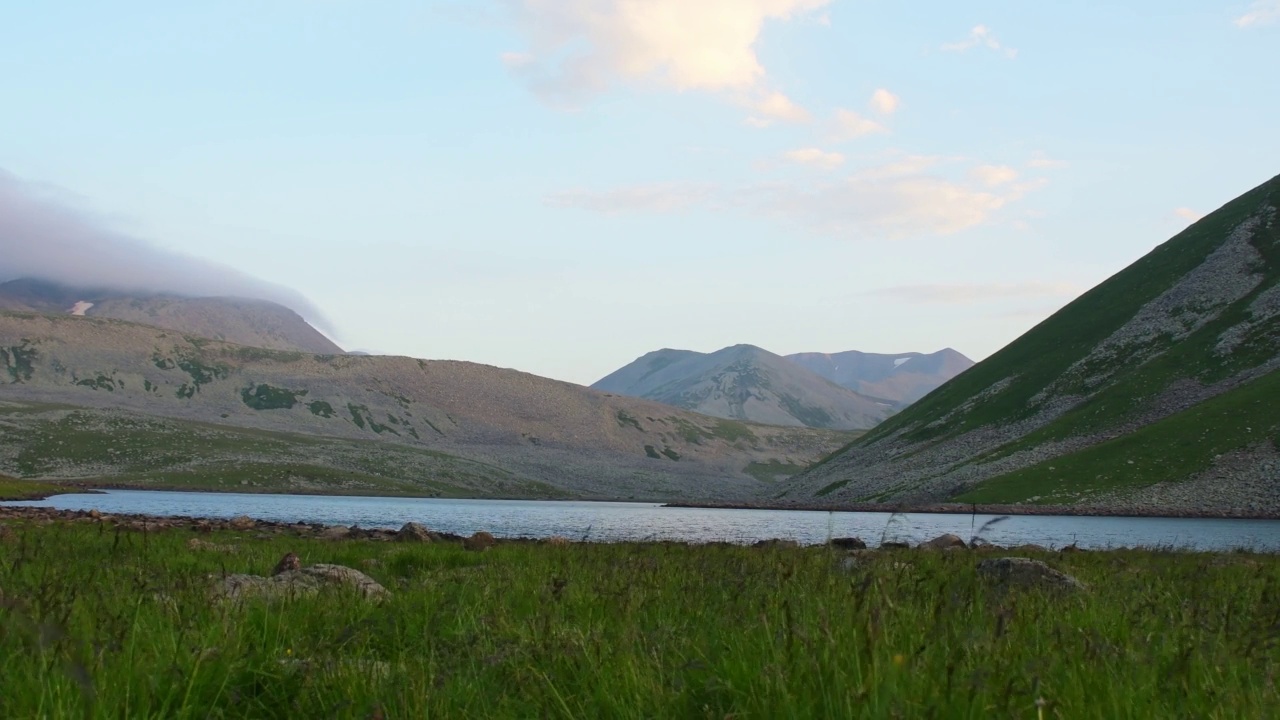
1156	387
83	397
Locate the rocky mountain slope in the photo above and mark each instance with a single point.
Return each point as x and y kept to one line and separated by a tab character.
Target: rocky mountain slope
744	382
1158	387
258	323
902	378
87	396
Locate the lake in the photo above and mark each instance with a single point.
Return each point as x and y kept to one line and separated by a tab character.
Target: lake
616	521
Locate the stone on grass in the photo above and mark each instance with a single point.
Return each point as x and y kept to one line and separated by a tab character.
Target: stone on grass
848	543
944	542
289	562
242	522
335	532
776	543
198	544
413	532
479	541
302	582
1025	573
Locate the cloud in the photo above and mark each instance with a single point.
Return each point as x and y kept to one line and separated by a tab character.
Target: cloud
884	102
776	106
850	125
656	197
1187	214
814	156
1261	12
980	36
578	48
952	294
44	235
993	175
1040	161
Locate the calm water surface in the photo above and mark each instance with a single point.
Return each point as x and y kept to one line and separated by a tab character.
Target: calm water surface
605	521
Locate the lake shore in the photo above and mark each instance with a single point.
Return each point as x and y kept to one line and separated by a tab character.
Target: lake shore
988	509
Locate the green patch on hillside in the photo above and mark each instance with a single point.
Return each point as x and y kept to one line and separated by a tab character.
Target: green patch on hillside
1169	450
733	431
1043	354
256	354
772	471
19	361
98	382
267	397
363	418
672	454
321	408
652	452
625	419
807	415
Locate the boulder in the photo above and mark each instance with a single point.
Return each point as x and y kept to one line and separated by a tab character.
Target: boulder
242	522
848	543
413	532
479	541
1025	573
776	543
198	544
335	532
944	542
287	563
300	582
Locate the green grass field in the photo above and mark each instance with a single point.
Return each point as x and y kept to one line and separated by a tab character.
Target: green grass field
104	623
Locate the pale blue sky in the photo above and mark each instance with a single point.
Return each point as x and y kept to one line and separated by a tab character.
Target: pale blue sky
561	186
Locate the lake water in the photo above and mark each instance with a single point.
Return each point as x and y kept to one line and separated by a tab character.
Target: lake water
612	521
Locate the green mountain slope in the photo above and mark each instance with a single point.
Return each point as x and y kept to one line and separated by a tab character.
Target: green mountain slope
1135	361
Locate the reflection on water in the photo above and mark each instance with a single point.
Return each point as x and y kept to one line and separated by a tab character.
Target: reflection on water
606	521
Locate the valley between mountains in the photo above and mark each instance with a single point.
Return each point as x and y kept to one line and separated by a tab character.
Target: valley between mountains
1157	391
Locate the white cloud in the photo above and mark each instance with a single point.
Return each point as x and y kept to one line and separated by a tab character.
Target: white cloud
851	124
1041	161
516	60
981	36
581	47
776	106
656	197
884	102
951	294
1261	12
905	198
1187	214
814	156
993	175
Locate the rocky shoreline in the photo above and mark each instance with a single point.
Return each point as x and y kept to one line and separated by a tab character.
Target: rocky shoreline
1119	510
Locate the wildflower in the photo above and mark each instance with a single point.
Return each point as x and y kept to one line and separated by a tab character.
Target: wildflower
899	659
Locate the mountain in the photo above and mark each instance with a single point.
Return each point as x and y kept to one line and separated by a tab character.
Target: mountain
98	398
901	378
258	323
1157	388
744	382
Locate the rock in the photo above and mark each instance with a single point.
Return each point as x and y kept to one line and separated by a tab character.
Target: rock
557	541
479	541
413	532
944	542
96	514
1025	573
776	543
1031	547
243	522
299	583
335	532
198	544
848	543
287	563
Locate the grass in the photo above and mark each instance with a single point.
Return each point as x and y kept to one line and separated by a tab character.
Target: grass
773	470
1172	449
14	489
104	623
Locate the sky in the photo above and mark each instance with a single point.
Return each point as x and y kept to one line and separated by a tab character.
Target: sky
560	186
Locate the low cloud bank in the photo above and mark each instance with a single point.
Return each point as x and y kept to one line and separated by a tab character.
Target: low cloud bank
45	237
